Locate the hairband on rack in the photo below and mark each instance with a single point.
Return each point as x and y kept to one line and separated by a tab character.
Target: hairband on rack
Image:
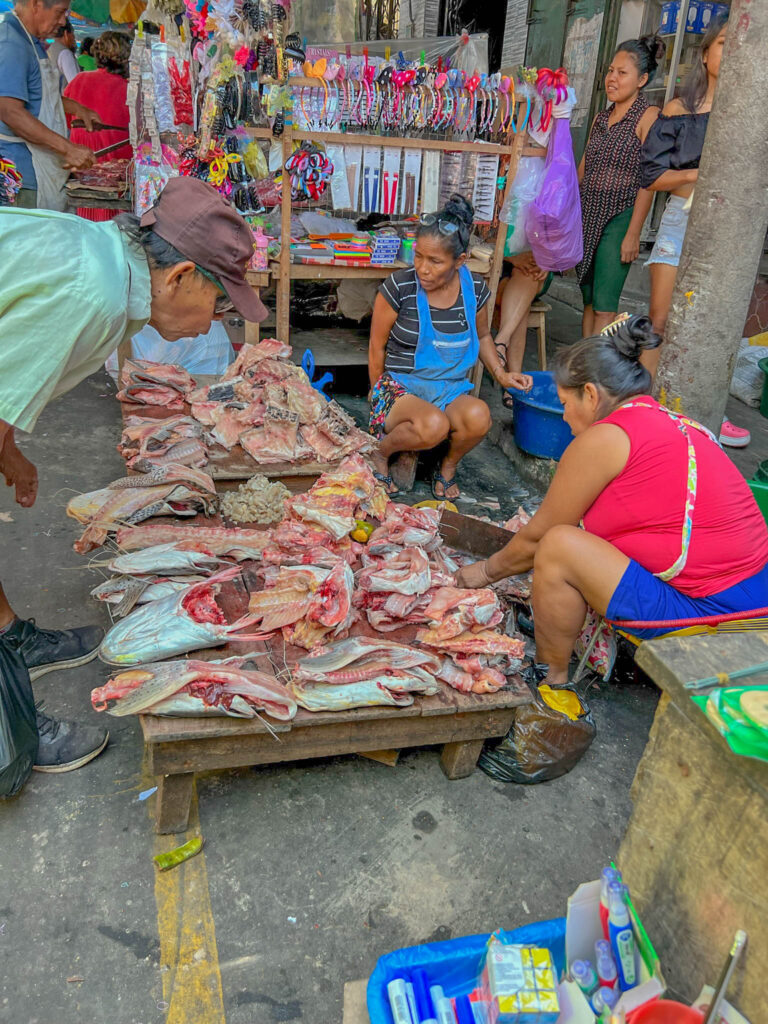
552	86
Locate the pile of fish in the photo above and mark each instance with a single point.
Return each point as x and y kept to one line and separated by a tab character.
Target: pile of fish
146	383
307	581
263	402
169	489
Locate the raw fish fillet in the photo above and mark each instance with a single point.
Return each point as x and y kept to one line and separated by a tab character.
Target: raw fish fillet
406	527
191	687
406	573
484	642
326	697
236	543
358	657
250	355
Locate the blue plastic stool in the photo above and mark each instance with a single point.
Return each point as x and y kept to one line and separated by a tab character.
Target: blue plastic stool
308	366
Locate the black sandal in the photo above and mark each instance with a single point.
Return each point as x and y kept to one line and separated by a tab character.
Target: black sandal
438	478
507	401
388	482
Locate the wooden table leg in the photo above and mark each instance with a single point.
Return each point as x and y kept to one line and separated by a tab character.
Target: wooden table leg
458	760
174	796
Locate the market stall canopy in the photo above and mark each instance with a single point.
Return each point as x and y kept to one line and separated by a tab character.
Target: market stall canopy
101	11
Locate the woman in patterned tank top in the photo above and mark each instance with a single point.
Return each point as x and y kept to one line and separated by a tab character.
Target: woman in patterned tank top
613	205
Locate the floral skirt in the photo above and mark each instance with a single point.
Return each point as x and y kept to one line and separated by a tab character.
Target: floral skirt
385	393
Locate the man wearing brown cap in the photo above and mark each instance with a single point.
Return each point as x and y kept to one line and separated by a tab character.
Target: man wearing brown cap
70	292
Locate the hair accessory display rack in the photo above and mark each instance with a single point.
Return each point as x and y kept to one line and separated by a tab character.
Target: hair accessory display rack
284	272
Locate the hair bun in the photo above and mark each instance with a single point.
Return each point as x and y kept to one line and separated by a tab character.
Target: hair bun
460	209
655	46
631	336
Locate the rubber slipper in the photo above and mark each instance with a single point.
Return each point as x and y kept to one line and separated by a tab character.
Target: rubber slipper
387	481
438	478
507	401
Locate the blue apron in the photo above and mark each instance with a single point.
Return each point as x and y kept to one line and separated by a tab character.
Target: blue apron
443	362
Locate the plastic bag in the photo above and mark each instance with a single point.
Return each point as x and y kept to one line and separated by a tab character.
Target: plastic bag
747	380
542	744
515	209
554	218
18	723
206	353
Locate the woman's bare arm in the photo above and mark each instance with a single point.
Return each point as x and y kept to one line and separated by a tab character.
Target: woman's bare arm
383	321
588	465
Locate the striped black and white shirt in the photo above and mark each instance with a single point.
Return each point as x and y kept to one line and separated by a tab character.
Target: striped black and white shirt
400	292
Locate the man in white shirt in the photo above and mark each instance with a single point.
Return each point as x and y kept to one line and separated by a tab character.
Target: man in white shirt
62	53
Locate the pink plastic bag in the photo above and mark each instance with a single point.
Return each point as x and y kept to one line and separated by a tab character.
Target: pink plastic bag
554	218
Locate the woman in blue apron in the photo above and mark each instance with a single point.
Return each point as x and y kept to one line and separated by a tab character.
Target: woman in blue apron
430	326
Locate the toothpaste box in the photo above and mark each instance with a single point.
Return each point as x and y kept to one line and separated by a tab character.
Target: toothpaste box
520	985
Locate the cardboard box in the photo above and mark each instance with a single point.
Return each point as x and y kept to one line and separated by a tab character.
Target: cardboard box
583	929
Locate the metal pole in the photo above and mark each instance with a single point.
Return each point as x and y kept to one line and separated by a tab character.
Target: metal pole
677	49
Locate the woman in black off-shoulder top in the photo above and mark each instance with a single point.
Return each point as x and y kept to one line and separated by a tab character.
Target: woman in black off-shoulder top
669	162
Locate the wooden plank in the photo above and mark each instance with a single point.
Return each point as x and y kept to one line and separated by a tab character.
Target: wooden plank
284	276
387	757
446	146
174	796
337	272
355	1003
673	661
458	760
326	741
694	858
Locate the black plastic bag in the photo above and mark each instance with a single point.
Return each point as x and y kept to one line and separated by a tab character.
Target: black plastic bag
18	722
542	744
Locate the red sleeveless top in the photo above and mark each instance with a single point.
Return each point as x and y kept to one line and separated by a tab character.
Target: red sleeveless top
641	511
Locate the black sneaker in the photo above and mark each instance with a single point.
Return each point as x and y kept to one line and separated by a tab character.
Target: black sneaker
65	746
45	650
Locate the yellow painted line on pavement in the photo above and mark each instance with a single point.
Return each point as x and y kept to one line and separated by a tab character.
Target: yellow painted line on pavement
189	957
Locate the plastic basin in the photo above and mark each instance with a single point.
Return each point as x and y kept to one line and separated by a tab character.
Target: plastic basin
665	1011
763	364
539	425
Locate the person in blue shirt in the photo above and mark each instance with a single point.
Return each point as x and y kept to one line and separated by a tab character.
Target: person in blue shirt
33	129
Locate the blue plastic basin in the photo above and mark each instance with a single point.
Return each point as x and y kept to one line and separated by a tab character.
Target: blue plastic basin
539	425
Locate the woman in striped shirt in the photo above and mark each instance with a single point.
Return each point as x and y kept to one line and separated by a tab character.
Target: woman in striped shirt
430	325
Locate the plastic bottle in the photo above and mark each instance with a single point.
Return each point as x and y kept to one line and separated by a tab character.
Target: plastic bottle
605	964
259	259
621	936
585	976
604	999
607	875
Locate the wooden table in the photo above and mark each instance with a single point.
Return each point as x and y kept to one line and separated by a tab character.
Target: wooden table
179	747
694	854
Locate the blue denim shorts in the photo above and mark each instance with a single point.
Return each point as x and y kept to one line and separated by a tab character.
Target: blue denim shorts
643	597
669	240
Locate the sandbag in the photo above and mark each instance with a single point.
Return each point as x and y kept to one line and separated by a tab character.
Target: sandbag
18	722
543	743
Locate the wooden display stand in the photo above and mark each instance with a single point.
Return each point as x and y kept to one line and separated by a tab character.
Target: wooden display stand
285	271
694	854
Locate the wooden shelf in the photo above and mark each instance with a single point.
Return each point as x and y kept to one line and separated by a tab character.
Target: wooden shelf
448	146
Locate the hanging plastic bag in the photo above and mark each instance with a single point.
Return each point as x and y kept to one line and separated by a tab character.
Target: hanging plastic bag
547	739
554	218
18	724
211	352
524	190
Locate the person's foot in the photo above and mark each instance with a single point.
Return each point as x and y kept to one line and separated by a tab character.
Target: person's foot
732	436
45	650
444	486
507	401
382	474
65	746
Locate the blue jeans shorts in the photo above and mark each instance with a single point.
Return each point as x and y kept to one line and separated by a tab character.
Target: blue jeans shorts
643	597
669	240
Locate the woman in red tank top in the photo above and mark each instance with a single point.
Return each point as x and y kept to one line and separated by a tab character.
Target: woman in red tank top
671	530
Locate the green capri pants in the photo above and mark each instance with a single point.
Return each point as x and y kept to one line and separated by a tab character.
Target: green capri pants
602	288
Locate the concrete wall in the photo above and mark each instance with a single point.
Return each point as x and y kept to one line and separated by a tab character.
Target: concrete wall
515	33
425	22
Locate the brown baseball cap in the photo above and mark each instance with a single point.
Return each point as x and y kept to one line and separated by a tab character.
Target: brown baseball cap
204	227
